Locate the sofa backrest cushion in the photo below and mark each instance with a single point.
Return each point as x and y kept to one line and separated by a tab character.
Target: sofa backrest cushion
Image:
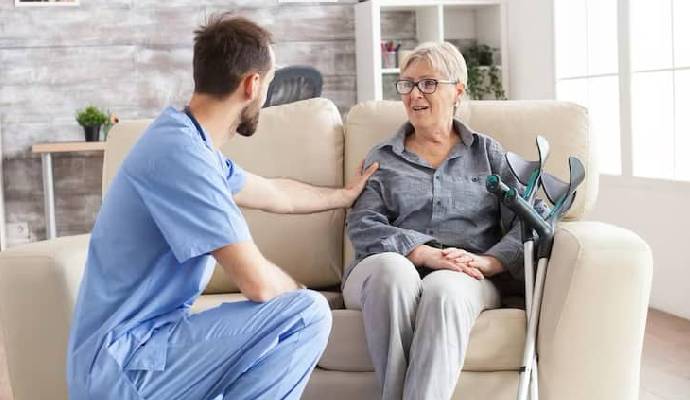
515	124
120	140
303	141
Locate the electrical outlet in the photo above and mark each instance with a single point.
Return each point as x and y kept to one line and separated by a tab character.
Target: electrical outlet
18	231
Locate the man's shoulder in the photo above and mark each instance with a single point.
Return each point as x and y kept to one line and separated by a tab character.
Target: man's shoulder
171	129
168	137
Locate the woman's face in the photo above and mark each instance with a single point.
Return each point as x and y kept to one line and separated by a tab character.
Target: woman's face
434	110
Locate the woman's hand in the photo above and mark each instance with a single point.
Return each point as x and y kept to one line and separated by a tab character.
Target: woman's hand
487	265
434	258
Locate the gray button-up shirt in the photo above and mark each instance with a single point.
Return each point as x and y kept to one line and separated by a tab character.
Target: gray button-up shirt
407	202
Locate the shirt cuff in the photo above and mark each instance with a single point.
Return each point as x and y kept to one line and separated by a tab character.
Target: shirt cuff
405	243
510	257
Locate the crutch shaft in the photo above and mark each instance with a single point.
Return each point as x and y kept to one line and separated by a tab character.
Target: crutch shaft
530	339
528	248
534	382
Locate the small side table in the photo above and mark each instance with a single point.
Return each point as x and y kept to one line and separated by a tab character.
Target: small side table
46	150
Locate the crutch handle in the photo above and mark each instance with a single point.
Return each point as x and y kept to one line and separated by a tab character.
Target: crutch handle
496	186
509	196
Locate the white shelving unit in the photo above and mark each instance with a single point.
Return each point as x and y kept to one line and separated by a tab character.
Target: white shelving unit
435	20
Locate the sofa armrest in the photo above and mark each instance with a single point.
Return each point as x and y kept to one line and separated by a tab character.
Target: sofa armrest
39	283
593	315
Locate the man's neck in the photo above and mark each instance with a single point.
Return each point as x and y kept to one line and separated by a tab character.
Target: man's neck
218	117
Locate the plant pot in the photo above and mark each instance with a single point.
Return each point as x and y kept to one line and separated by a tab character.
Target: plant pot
92	133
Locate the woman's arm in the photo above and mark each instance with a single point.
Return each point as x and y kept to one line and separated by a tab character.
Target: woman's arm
370	230
508	251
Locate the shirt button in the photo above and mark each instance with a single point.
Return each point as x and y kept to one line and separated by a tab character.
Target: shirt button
438	178
431	231
438	202
475	179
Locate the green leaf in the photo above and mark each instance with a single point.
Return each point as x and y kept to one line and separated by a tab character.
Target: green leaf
91	116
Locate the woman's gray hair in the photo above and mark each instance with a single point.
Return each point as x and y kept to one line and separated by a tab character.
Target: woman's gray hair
443	57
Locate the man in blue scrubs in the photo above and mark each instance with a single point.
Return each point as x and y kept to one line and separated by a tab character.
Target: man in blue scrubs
171	212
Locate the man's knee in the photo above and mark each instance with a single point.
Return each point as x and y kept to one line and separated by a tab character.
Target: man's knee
316	313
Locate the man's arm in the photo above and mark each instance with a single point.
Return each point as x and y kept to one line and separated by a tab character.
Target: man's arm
287	196
258	279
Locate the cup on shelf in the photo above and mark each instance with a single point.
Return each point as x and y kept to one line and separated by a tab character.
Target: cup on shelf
389	59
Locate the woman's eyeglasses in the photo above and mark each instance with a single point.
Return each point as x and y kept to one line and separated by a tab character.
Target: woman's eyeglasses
426	86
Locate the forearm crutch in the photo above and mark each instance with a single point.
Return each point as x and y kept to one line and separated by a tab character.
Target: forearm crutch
562	196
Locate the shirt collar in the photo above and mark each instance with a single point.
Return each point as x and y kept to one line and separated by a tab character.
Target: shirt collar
206	139
397	142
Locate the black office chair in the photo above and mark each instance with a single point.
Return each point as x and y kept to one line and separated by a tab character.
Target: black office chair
294	83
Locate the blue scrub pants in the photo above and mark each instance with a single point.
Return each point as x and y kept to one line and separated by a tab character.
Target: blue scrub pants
241	350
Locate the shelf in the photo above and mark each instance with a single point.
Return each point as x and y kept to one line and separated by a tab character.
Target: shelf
64	147
464	21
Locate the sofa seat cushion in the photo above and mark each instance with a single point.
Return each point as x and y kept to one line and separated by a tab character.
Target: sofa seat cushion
207	301
496	342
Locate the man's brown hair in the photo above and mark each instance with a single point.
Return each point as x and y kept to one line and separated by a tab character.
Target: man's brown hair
225	49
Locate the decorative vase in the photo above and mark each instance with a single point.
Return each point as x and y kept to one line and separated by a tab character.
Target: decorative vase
92	133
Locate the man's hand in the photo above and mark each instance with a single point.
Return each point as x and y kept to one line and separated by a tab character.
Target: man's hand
451	258
355	187
487	265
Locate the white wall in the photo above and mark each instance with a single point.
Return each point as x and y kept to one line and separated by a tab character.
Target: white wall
530	44
655	210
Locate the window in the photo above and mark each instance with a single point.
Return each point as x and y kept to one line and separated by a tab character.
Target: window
587	70
659	92
636	87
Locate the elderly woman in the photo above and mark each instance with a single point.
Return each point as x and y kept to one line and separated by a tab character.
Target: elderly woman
427	234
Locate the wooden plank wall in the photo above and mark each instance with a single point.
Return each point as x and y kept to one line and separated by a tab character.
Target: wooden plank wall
133	57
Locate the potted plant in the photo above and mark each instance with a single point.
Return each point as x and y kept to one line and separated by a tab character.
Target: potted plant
91	118
483	76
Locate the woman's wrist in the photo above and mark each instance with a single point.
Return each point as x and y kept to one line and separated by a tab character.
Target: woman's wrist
494	266
419	254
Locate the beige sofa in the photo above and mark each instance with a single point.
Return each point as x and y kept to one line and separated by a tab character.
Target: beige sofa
595	299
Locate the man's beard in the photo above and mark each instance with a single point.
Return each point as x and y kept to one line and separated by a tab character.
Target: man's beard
249	119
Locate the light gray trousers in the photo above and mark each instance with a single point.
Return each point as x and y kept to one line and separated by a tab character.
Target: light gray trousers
417	329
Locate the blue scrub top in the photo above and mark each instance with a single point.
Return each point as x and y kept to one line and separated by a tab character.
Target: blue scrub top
169	205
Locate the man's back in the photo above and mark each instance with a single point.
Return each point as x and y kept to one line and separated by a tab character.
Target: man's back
143	269
172	204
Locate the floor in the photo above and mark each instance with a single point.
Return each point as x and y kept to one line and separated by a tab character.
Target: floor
665	360
665	371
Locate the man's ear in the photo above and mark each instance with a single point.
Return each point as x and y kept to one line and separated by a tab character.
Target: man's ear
251	86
